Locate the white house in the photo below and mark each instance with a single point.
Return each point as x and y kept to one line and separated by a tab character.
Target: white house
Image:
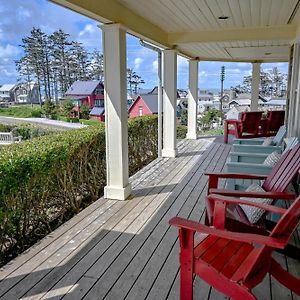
204	106
7	93
26	93
275	104
234	112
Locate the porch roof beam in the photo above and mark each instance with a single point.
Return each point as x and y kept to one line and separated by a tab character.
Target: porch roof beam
114	12
286	32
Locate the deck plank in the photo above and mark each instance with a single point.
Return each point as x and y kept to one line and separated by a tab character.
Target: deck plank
110	237
140	260
126	249
109	256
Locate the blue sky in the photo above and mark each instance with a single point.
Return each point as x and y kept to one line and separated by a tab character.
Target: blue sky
18	17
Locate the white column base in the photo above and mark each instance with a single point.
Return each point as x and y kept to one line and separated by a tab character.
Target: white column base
191	136
117	193
169	152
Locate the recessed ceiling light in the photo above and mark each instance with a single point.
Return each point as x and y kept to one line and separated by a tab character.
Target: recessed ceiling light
268	53
223	17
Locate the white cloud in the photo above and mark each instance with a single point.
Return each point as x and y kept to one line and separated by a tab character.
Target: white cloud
8	51
155	66
137	63
90	36
8	55
23	13
181	62
87	30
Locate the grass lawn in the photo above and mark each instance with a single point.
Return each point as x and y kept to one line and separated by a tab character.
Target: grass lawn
89	122
24	111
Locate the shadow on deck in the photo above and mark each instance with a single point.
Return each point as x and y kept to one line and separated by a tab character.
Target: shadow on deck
126	249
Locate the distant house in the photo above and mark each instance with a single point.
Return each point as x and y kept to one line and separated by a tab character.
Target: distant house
204	106
97	113
129	100
276	104
205	96
144	105
7	93
245	100
27	93
234	112
90	93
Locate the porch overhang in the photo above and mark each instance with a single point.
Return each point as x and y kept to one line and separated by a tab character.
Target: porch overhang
266	29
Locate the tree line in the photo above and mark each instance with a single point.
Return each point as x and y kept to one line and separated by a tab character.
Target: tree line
55	62
272	83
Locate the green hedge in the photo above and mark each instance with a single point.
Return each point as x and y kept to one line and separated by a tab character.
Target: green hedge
181	131
46	180
26	131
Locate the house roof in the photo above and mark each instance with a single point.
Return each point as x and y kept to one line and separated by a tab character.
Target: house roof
243	102
97	111
5	96
238	109
32	84
78	97
151	102
6	87
82	87
206	103
276	102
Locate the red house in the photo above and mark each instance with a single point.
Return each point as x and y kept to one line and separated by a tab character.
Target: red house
98	113
144	105
90	93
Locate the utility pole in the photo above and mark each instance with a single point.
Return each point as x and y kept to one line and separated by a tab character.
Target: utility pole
222	87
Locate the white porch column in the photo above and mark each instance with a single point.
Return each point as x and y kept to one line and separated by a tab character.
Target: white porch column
255	86
115	87
169	100
192	100
294	97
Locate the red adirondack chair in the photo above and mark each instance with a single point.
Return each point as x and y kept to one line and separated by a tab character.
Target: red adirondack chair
274	185
272	123
232	262
246	127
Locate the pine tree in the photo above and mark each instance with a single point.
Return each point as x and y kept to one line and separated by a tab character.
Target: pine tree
96	67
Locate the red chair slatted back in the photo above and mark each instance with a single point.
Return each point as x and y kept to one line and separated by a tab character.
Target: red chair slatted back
284	171
288	222
285	227
250	122
275	119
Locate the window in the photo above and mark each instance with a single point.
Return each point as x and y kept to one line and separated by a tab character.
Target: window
99	103
99	92
140	111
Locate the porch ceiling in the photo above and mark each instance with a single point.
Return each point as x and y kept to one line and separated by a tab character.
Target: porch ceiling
256	30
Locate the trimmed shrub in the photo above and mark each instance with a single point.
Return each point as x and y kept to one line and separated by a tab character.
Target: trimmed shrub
26	131
181	131
46	180
142	142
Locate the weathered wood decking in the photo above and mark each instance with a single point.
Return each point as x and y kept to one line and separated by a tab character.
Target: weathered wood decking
126	249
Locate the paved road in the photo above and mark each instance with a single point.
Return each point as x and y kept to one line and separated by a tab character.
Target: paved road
43	122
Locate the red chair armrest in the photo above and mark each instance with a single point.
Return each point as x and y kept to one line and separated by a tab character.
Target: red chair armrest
236	236
270	195
214	178
227	200
236	175
232	122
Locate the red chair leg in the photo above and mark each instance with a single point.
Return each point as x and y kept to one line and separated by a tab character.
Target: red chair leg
186	264
284	277
225	132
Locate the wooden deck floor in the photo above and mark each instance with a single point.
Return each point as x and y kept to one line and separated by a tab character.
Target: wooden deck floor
126	249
